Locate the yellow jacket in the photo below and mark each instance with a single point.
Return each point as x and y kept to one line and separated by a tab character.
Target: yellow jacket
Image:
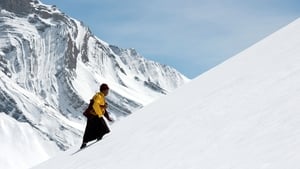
99	104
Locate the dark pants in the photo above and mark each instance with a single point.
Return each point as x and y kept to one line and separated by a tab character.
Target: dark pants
96	128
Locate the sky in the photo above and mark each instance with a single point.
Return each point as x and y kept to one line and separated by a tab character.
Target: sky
189	35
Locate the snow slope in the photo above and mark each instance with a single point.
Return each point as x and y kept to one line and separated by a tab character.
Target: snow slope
242	114
13	144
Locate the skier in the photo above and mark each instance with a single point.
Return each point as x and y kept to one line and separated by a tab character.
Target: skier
96	126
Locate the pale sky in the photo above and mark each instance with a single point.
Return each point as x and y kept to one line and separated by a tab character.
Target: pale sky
189	35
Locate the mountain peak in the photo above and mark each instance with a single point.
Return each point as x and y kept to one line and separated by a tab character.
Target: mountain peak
51	65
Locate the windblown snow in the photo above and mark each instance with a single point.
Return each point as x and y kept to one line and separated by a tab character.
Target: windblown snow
242	114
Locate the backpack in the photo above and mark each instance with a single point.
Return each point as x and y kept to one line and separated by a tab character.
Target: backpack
87	112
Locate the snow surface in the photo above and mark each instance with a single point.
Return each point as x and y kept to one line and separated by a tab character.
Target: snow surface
17	135
242	114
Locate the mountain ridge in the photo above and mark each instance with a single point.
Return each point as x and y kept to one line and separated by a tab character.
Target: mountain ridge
52	64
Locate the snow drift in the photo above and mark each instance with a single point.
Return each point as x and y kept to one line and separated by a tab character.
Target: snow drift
242	114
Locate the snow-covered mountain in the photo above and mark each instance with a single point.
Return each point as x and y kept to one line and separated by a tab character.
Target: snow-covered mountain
50	66
242	114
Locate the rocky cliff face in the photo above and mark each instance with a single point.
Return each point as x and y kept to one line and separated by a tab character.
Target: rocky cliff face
21	7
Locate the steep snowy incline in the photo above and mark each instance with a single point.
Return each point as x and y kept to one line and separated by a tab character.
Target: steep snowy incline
242	114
